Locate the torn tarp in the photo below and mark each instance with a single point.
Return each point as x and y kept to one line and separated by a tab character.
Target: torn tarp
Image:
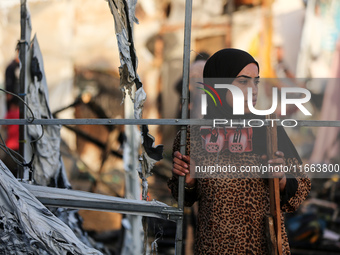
123	12
140	97
151	154
28	227
47	164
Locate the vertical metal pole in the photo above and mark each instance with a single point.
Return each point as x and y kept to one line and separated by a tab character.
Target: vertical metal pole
22	82
185	103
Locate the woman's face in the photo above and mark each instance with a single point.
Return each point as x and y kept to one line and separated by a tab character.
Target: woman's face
248	77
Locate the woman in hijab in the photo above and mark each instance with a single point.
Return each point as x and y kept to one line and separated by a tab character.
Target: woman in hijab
232	208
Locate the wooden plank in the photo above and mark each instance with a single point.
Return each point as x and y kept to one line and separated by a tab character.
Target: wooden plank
274	188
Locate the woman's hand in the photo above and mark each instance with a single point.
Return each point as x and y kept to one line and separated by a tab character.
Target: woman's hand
181	167
279	161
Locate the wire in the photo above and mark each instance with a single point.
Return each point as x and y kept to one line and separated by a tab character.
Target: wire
11	152
30	119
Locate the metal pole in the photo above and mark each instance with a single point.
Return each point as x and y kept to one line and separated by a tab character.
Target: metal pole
22	80
176	122
185	103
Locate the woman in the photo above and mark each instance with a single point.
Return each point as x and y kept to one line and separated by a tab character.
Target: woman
231	210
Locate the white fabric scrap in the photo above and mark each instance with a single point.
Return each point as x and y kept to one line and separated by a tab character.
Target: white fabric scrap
147	164
140	97
126	70
145	185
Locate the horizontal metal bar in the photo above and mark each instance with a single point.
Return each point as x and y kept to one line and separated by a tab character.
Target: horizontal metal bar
175	122
55	197
318	123
101	122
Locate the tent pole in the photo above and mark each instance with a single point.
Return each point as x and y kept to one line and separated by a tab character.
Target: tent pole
22	82
185	103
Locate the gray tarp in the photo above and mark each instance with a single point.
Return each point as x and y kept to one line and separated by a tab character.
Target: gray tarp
27	227
48	165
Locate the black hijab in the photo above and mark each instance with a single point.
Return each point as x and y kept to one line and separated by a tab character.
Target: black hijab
223	67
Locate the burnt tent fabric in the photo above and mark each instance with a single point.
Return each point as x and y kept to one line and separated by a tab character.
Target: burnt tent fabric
154	152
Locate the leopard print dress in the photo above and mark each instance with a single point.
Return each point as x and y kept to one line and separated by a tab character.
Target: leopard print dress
231	211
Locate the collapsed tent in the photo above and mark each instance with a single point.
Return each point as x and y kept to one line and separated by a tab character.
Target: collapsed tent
47	166
28	227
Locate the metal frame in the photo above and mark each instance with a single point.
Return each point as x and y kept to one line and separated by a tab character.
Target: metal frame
76	199
84	200
185	111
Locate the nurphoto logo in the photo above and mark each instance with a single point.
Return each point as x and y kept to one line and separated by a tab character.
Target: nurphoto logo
238	99
238	102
